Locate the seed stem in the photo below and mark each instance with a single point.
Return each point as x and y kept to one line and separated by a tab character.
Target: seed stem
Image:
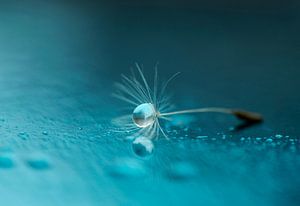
239	113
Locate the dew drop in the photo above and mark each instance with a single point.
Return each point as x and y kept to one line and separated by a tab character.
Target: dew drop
142	146
45	133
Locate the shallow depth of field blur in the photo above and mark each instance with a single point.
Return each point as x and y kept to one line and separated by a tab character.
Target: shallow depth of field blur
60	59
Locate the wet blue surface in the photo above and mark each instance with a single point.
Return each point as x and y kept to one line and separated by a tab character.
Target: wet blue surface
58	62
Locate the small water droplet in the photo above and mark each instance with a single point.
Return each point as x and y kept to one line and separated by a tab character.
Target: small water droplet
127	167
231	128
80	128
45	133
202	137
182	171
269	140
23	135
6	161
278	136
142	146
38	163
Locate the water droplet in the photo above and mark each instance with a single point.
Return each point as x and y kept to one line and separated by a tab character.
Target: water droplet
45	133
201	137
269	140
182	170
23	135
38	163
144	115
6	161
278	136
231	129
142	146
127	167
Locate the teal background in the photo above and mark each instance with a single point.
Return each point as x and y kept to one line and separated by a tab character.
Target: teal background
58	63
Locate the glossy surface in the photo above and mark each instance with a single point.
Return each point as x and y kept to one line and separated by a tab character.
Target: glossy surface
58	62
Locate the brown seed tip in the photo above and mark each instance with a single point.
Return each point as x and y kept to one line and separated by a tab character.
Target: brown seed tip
247	116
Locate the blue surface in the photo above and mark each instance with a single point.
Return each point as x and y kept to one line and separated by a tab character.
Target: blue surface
58	62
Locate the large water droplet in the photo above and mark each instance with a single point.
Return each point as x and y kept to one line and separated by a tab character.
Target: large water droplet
142	146
144	115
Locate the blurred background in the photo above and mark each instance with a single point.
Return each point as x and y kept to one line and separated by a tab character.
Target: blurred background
60	59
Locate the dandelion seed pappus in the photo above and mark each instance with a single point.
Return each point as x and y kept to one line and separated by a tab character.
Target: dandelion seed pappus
150	105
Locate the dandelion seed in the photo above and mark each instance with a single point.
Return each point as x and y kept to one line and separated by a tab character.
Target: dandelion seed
150	105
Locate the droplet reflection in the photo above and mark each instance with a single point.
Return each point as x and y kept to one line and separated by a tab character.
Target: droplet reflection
142	146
